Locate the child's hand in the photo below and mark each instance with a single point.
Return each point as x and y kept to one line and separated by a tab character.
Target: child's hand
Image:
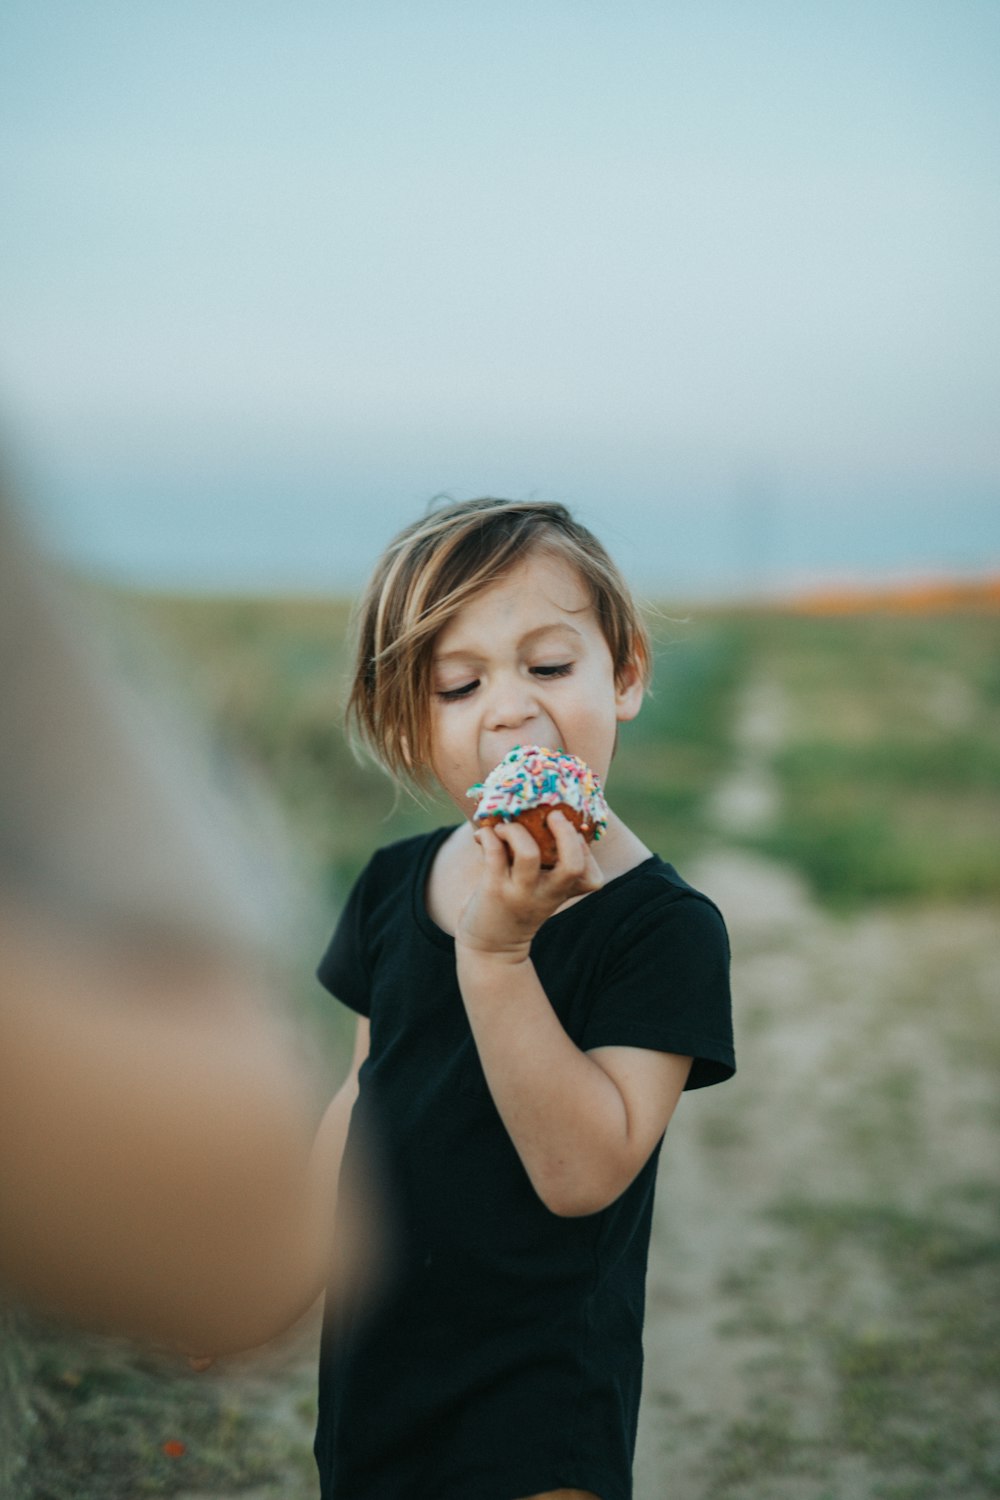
515	895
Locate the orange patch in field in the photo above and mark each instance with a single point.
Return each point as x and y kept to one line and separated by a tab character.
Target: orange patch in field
921	597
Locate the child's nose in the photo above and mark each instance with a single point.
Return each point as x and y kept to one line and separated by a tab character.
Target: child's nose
511	704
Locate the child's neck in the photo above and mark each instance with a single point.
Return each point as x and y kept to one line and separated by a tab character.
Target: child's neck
619	849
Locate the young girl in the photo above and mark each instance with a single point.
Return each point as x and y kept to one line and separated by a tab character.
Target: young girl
524	1034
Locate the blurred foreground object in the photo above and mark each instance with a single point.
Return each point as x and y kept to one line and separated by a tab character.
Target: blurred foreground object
158	1174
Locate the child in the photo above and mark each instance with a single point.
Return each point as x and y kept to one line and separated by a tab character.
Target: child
524	1034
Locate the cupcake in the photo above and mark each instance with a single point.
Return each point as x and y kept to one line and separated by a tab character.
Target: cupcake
529	783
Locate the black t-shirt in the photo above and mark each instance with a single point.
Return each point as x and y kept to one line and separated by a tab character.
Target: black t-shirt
503	1356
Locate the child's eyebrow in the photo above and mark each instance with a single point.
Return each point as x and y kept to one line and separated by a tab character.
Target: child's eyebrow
529	639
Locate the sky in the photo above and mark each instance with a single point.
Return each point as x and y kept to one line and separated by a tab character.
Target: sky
722	278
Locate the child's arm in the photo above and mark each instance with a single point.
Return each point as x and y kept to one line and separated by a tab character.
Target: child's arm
583	1123
328	1148
341	1204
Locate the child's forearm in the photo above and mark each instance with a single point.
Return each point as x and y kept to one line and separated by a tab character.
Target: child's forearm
325	1162
341	1205
580	1135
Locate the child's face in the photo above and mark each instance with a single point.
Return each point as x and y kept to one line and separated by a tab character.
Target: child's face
524	663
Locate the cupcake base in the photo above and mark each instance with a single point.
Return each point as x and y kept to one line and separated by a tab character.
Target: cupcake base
534	819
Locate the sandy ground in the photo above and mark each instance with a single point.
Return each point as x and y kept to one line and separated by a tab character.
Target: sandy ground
852	1090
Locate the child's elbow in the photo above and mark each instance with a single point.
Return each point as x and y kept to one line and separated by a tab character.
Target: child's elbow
575	1199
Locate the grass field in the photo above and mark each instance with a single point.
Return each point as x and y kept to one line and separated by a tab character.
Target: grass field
853	1282
886	758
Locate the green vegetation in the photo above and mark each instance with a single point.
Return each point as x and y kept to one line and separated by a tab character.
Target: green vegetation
115	1423
273	677
887	763
671	757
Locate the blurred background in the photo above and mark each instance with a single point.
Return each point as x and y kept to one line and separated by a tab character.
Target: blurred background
723	280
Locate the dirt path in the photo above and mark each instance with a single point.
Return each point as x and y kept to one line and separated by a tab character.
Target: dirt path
827	1221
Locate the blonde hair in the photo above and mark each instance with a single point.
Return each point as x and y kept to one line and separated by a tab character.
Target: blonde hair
425	576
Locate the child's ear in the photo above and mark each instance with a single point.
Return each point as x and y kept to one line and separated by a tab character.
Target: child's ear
629	692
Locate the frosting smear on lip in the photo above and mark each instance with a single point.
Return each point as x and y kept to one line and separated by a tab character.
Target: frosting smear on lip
533	776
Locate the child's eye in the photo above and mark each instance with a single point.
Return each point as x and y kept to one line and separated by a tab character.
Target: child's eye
450	695
563	669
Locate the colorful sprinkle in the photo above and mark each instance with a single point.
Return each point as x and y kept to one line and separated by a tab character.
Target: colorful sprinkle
533	775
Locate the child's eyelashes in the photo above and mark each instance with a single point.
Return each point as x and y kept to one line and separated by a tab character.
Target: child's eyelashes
562	670
450	695
455	694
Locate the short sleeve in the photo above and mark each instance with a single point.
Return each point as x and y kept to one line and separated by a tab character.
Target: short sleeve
666	987
344	969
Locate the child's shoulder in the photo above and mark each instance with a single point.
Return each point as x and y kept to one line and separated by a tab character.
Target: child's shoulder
648	874
654	888
667	876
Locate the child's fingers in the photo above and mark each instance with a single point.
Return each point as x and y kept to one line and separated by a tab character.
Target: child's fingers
576	862
570	844
525	855
495	856
511	852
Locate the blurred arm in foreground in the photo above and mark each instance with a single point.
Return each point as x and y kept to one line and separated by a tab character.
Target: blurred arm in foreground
160	1170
